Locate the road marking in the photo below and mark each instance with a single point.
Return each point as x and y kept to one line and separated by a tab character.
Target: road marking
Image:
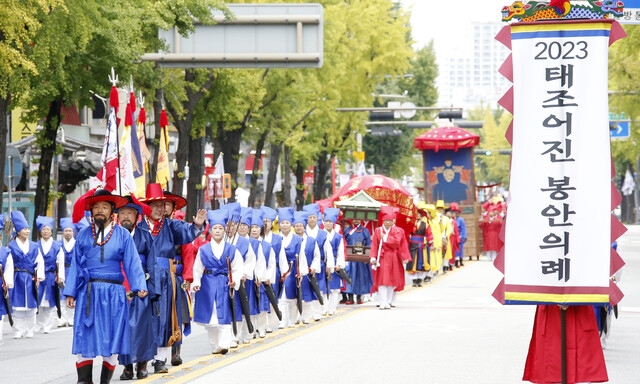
205	364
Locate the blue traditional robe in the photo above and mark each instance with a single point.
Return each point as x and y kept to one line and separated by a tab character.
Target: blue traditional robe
67	259
307	292
242	245
173	232
142	310
214	286
45	289
462	228
4	255
276	244
265	305
24	267
335	278
291	251
360	273
321	238
95	281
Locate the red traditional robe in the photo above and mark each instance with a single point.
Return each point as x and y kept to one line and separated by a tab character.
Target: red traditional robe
189	252
454	241
585	361
393	252
490	235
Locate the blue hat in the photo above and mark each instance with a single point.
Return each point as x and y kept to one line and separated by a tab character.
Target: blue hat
269	213
256	217
300	217
82	224
1	221
285	214
312	209
245	216
19	221
66	222
331	214
234	211
219	216
44	221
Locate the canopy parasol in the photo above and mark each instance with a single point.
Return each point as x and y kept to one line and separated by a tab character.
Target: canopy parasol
446	138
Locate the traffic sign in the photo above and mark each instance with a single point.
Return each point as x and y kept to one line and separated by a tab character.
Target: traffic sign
16	163
620	129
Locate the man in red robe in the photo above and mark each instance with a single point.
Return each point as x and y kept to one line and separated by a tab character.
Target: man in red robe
585	360
491	227
389	253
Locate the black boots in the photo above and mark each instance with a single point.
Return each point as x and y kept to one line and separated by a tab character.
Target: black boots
359	299
415	283
107	373
85	372
127	372
141	368
175	355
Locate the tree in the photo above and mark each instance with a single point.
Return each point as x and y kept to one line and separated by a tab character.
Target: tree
494	167
19	22
394	155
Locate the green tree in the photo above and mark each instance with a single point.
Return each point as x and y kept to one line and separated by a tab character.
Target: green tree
493	167
19	22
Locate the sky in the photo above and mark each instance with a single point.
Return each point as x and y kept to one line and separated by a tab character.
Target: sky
444	20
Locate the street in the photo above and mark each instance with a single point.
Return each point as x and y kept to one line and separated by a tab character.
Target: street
449	331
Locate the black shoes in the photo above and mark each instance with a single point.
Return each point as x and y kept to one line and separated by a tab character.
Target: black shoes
160	367
107	373
127	373
141	368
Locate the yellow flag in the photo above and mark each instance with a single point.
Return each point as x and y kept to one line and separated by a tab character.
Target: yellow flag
162	175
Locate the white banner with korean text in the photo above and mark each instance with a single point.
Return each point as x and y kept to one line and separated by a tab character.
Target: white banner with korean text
558	233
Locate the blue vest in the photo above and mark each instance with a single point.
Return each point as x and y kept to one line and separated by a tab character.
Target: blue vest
24	271
335	243
242	245
214	289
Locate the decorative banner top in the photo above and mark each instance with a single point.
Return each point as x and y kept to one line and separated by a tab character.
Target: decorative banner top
561	9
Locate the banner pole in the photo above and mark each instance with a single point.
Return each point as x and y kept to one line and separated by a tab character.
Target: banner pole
563	343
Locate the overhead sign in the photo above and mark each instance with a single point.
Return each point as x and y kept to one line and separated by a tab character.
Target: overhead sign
631	12
259	36
619	129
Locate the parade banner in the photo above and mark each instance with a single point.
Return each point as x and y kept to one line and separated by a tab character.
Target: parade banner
558	232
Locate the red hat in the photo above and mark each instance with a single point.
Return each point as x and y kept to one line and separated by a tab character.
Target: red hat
454	207
154	193
177	200
388	213
104	195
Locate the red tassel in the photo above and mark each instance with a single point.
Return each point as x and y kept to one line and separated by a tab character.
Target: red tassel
164	121
113	98
128	118
146	210
78	206
142	116
132	102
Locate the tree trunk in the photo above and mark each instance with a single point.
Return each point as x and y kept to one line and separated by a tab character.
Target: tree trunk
286	168
47	140
195	191
4	128
154	144
274	161
256	168
320	175
299	185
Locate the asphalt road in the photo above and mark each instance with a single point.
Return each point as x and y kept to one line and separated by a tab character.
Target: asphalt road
450	331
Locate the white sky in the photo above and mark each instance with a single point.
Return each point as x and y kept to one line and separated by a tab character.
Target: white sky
444	20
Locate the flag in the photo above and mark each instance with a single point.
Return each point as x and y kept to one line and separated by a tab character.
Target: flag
140	163
127	156
628	185
218	175
162	175
108	175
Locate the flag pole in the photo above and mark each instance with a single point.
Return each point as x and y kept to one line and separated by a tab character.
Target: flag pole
114	105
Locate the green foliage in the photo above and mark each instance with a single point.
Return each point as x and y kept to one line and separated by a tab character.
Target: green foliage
495	167
624	78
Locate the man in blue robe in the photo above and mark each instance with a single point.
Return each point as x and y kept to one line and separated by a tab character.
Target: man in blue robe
66	251
48	290
95	286
310	252
360	273
167	233
326	263
141	310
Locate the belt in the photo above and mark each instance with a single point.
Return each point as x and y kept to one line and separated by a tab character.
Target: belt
67	265
24	270
207	272
97	281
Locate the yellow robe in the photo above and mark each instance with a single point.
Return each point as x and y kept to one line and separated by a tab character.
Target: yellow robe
436	254
447	230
